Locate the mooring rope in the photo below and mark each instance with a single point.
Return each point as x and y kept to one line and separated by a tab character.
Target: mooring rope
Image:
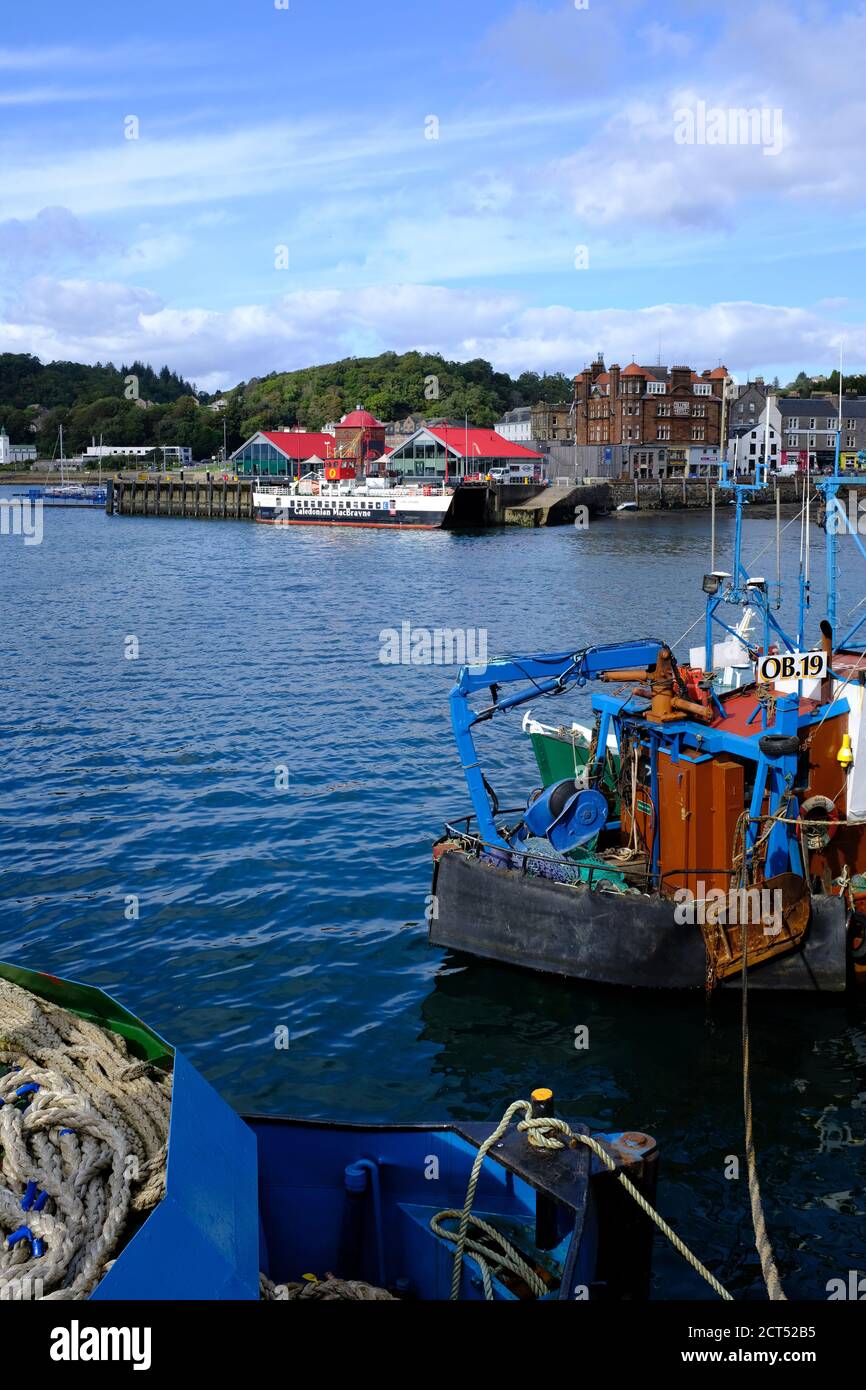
762	1240
83	1143
541	1133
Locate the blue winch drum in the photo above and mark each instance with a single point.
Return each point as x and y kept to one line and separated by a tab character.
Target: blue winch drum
565	816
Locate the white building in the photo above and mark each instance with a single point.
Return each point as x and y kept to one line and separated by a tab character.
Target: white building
174	455
746	446
516	424
15	453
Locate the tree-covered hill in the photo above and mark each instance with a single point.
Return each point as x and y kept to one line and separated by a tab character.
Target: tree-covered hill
392	386
97	402
24	381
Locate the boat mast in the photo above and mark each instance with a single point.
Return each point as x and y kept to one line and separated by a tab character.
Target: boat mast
739	587
834	515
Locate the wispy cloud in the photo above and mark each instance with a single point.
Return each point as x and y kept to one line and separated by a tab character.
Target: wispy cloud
134	53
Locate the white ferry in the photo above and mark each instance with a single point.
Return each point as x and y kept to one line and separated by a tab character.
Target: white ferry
351	502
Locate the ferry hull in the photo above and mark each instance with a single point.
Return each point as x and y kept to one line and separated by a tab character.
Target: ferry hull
614	939
417	513
406	522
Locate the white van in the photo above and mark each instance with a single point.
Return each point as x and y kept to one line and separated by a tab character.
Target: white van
518	473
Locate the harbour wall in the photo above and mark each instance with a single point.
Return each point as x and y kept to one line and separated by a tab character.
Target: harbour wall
669	494
513	504
214	499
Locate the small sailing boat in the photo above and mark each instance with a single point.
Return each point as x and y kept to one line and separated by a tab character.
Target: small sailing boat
71	494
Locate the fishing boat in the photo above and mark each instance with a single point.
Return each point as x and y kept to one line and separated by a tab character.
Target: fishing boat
334	497
294	1208
711	819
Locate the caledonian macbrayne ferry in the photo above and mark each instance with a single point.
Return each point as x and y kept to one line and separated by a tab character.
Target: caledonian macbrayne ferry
713	816
334	496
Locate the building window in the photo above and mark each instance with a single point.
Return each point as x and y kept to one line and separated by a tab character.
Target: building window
700	411
663	409
664	432
697	432
792	441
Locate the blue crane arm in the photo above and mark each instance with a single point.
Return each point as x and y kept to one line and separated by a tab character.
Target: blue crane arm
547	675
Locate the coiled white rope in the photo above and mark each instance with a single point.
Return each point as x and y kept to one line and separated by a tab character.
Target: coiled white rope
83	1143
541	1132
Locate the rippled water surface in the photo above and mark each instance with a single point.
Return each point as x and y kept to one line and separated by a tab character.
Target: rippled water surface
262	907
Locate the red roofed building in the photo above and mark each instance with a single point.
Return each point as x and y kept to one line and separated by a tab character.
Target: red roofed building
459	452
649	422
277	453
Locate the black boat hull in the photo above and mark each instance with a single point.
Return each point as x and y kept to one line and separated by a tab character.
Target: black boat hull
615	939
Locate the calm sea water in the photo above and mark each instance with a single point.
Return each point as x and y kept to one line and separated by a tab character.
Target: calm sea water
261	907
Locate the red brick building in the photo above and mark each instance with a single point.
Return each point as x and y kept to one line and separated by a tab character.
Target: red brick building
658	422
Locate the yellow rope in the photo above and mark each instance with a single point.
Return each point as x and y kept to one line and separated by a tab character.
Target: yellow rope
541	1133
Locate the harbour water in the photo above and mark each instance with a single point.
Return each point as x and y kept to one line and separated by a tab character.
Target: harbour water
217	803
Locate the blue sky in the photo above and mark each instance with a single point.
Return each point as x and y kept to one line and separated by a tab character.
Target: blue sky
556	212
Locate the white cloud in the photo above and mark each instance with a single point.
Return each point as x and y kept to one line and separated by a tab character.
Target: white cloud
629	171
155	251
664	42
52	237
91	321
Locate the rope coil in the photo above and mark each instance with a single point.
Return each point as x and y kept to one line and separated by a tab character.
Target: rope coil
83	1145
